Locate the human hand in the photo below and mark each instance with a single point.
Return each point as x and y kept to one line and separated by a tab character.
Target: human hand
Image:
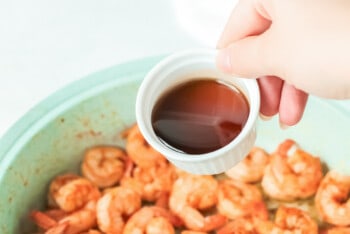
295	47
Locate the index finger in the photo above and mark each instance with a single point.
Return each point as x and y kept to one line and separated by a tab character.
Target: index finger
248	18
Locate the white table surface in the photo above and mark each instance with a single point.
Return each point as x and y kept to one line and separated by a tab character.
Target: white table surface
45	45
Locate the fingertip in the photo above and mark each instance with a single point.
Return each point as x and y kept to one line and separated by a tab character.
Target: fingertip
265	117
290	120
292	105
270	94
283	126
223	60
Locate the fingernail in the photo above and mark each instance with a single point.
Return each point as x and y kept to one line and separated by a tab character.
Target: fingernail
264	117
283	126
223	60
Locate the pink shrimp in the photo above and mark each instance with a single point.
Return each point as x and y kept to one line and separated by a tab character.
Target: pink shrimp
332	199
70	192
192	193
287	220
114	207
104	166
251	168
73	223
76	197
336	230
151	220
292	173
151	183
238	199
243	225
140	151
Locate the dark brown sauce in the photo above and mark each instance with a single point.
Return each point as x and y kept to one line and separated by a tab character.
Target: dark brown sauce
200	116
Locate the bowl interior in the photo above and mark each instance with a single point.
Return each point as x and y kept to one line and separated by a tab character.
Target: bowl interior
52	138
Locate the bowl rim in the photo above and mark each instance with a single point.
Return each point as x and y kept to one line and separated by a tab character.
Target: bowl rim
41	113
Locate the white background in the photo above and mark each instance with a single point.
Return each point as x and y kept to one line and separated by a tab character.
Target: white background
45	45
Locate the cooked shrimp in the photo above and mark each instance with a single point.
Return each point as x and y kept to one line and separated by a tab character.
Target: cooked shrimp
159	225
163	200
71	192
56	214
49	219
114	206
60	229
336	230
192	193
287	147
243	225
140	151
42	219
288	220
238	199
104	165
81	220
151	220
77	196
251	169
153	182
92	232
192	232
292	173
56	185
73	223
332	199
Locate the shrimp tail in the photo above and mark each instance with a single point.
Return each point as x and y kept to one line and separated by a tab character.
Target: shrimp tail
285	146
163	200
42	220
129	166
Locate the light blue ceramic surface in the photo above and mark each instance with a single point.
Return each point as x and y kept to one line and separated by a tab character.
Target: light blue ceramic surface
52	137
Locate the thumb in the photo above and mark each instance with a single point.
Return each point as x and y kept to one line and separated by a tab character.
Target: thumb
248	57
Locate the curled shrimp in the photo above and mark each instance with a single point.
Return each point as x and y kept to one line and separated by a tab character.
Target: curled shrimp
288	220
332	199
140	151
238	199
56	184
292	173
151	220
151	183
336	230
242	225
114	206
192	193
72	223
76	197
104	165
70	192
251	168
80	220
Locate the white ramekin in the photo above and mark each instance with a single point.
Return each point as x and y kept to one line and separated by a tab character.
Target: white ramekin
182	67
